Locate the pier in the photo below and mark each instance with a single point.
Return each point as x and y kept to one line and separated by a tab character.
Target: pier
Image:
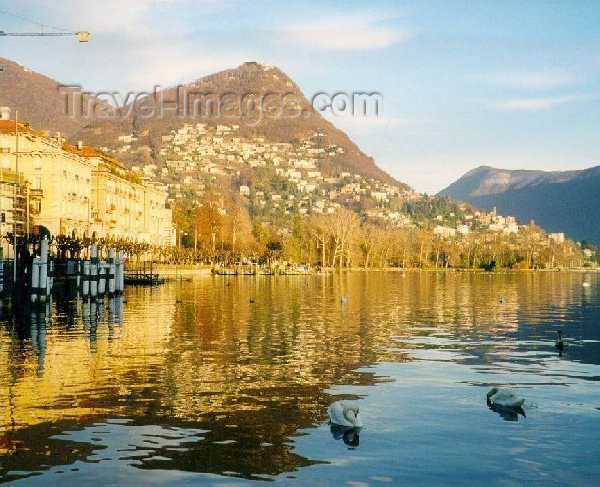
143	275
34	278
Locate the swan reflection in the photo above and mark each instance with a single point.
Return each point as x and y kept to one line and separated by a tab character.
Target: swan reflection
348	434
508	413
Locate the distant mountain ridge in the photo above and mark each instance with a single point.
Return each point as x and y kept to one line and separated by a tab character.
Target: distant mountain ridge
558	201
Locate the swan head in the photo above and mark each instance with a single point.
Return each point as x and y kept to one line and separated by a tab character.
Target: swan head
492	392
352	413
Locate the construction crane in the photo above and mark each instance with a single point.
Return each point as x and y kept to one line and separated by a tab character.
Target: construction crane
82	36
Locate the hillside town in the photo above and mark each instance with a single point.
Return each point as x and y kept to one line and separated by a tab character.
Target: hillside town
301	176
82	192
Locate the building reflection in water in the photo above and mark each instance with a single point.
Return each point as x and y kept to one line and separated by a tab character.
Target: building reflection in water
200	355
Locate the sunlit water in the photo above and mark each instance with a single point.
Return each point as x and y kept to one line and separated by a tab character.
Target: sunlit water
226	381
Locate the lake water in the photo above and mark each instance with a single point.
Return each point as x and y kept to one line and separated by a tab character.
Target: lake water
191	382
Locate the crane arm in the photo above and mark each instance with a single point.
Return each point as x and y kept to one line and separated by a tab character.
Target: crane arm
82	36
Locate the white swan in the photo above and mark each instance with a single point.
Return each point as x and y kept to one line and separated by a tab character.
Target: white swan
504	398
345	413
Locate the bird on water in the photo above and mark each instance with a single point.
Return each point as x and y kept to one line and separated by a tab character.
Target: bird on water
560	343
345	413
503	398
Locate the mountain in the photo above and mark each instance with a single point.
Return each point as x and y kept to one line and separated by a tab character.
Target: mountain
40	103
250	78
558	201
37	98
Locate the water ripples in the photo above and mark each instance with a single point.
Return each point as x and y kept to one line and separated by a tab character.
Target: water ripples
193	382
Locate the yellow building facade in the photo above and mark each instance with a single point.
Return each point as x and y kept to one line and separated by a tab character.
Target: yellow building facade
125	205
78	191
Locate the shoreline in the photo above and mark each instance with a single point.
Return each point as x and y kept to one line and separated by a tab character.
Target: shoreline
177	271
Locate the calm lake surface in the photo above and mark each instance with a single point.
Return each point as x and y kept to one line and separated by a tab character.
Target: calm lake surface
193	383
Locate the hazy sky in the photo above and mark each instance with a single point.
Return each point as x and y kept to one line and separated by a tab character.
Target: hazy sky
464	83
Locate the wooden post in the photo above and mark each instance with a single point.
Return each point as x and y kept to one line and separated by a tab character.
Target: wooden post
86	279
111	271
43	272
50	280
103	274
79	272
94	271
121	273
35	279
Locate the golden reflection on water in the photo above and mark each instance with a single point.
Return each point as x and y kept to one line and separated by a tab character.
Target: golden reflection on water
248	358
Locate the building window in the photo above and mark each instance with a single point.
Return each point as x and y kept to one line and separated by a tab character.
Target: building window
5	163
37	182
4	144
37	163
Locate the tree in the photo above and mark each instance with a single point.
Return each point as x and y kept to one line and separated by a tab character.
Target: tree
239	225
209	221
345	227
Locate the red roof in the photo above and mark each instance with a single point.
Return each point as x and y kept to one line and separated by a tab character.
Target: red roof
85	151
8	127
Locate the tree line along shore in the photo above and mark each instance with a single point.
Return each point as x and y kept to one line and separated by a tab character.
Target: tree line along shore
345	240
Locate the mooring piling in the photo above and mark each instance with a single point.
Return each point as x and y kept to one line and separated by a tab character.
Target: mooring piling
93	271
41	282
43	279
111	271
85	285
35	279
121	273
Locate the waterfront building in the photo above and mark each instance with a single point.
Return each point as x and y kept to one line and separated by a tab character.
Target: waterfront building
125	204
7	213
77	191
54	183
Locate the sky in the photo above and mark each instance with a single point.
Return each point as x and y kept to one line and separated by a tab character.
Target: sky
511	84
